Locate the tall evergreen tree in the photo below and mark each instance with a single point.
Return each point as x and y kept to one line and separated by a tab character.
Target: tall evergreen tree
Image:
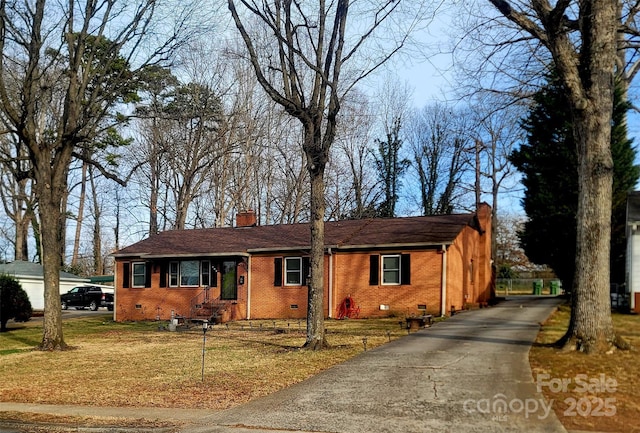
549	165
625	177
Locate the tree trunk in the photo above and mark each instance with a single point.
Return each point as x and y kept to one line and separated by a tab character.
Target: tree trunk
98	263
80	216
35	225
585	64
478	147
23	222
23	213
591	327
51	189
316	338
52	220
495	191
153	201
316	163
181	215
63	227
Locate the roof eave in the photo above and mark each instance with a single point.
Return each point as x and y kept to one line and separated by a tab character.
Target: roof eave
182	255
394	245
355	247
272	249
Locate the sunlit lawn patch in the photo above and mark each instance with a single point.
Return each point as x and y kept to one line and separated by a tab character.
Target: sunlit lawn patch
600	408
143	364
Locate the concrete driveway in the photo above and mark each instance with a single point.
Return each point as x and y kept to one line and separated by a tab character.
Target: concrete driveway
467	374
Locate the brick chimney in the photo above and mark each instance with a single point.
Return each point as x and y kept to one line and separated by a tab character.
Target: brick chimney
246	218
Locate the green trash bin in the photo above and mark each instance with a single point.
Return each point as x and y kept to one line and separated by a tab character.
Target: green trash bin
537	287
555	287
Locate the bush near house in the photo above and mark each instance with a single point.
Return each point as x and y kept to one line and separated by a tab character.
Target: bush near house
14	302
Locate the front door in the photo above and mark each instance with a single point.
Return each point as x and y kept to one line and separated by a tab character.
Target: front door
229	290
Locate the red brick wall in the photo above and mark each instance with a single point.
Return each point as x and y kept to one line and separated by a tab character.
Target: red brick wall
269	301
352	278
469	265
158	302
467	285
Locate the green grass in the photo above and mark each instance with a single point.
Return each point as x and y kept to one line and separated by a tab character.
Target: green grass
11	351
28	335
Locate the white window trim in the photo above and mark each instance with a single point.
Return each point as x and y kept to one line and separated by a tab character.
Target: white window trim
177	274
286	271
205	264
133	274
382	269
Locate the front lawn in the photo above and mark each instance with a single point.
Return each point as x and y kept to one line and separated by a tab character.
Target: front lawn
143	364
590	392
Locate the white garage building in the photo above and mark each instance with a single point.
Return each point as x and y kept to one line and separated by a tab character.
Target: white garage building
31	278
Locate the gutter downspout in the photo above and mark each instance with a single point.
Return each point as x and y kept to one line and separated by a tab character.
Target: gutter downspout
443	288
249	288
115	291
330	300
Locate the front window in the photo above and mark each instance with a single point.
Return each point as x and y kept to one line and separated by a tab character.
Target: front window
189	273
391	269
206	273
173	274
139	272
293	271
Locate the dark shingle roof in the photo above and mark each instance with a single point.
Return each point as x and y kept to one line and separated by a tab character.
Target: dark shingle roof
378	232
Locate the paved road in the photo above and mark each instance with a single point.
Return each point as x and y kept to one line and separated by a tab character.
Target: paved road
467	374
71	313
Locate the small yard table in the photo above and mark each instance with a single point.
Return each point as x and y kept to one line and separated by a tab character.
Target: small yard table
417	322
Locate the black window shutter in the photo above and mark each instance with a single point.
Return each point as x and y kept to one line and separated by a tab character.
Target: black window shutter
277	271
374	263
147	274
126	275
163	274
306	270
214	276
405	269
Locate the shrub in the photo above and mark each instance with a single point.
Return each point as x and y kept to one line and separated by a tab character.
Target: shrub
14	302
505	272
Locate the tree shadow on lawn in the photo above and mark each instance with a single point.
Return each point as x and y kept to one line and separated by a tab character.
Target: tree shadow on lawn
11	334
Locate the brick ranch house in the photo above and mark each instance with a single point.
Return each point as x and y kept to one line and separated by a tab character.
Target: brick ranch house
394	266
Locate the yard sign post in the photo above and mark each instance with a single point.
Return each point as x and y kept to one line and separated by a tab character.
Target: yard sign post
205	326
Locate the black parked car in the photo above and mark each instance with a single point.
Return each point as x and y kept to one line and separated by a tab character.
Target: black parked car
91	297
